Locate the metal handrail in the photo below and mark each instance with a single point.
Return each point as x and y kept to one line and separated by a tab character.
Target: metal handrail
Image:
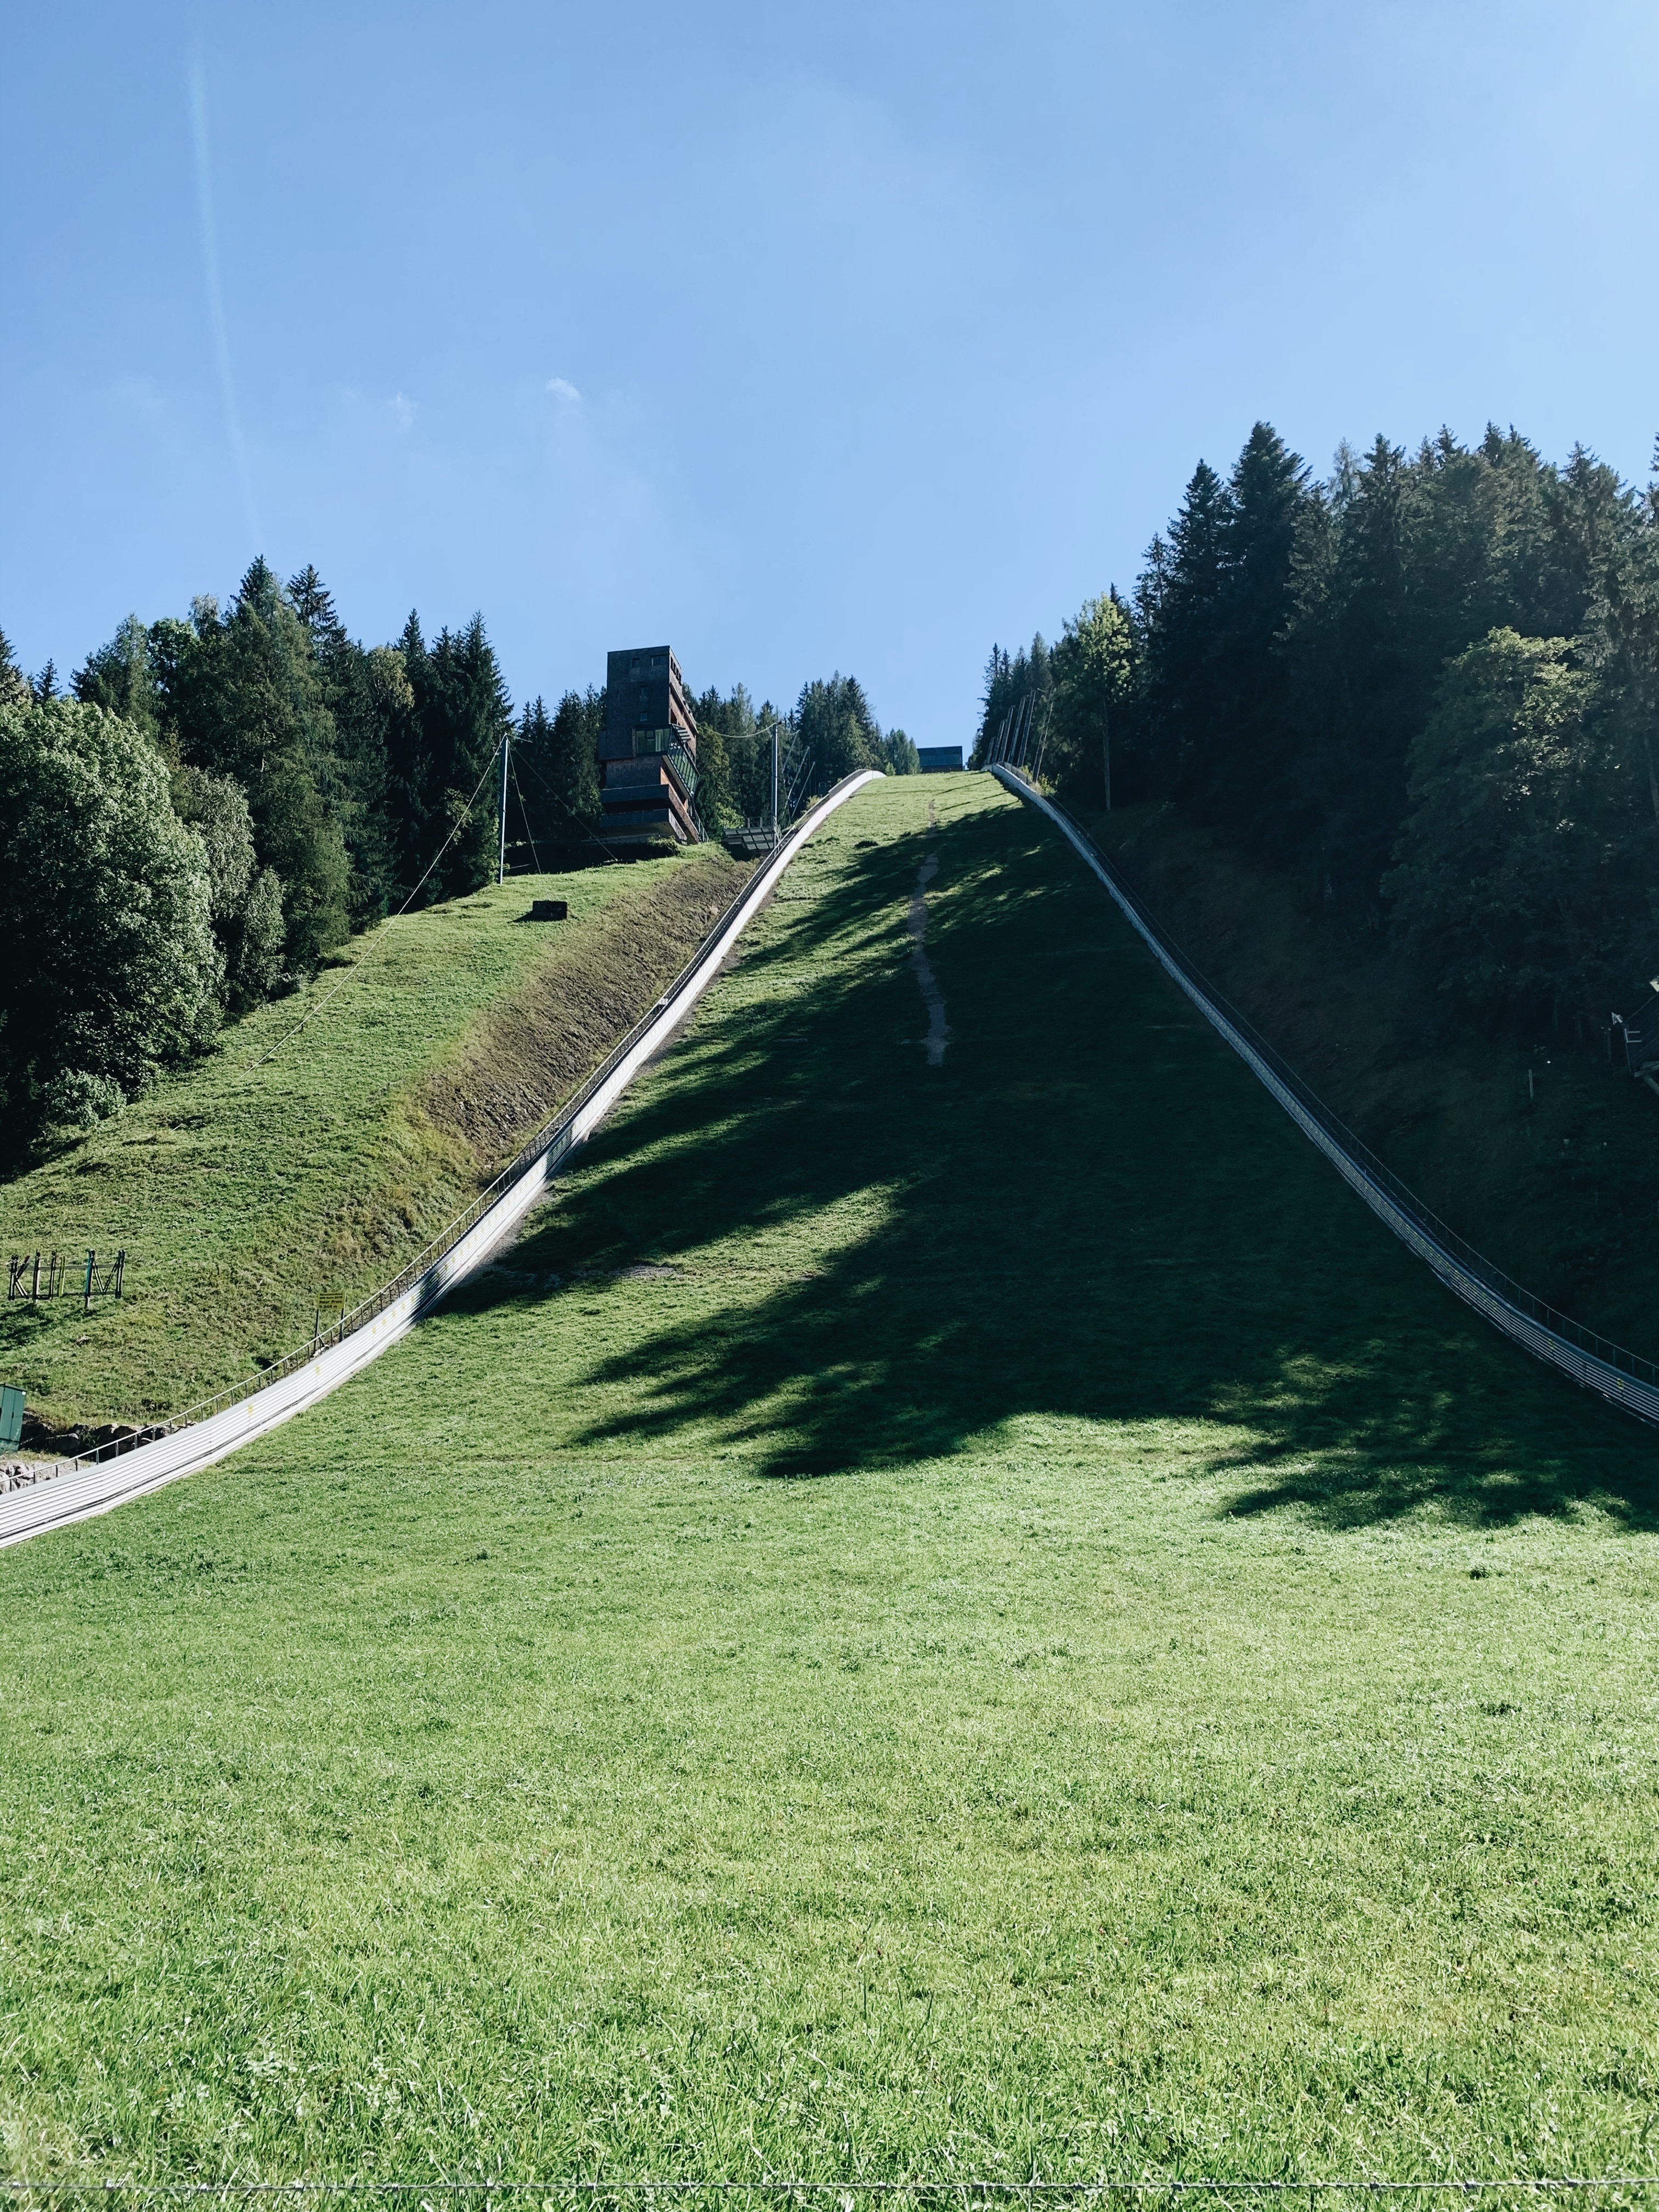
1459	1263
431	1254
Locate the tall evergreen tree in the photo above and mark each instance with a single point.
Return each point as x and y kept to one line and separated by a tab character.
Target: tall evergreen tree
1251	760
734	757
900	754
834	722
241	695
1428	686
557	765
465	716
1182	693
409	766
365	693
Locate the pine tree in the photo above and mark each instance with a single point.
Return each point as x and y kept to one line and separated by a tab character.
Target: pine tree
241	695
1250	763
835	724
734	758
363	696
555	760
314	603
1181	646
465	716
900	754
408	772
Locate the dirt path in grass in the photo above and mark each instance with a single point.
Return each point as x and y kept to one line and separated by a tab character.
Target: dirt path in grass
938	1030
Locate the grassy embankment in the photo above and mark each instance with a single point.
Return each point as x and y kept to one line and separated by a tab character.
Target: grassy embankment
991	1621
286	1166
1557	1180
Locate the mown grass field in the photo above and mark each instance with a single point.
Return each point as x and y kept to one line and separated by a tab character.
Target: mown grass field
989	1622
318	1146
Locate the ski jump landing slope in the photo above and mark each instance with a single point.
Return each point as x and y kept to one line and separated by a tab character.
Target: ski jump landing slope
90	1488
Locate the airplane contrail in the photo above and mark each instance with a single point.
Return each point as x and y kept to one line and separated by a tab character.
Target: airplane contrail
199	123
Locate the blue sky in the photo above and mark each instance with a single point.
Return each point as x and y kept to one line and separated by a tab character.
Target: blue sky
806	338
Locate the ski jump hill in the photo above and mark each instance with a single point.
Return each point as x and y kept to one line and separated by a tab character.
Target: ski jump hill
96	1484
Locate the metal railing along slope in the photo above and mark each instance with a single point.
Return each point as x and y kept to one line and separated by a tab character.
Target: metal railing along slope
1622	1378
209	1431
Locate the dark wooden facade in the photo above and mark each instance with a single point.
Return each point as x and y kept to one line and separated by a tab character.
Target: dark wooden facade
648	751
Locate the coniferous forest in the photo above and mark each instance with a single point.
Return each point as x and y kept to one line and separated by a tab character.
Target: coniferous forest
214	806
1425	688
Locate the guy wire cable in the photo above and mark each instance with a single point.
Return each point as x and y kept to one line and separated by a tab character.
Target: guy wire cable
530	835
361	962
571	811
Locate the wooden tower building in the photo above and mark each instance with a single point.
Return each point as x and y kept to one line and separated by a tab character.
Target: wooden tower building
648	751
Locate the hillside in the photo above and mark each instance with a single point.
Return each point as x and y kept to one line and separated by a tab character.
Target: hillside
929	1622
1545	1158
299	1162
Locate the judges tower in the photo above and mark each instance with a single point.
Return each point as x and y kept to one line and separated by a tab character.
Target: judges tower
648	752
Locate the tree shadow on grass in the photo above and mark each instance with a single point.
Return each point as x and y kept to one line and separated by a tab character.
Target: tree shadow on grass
1090	1210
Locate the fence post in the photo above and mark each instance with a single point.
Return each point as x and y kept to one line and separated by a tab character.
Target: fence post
92	1260
35	1292
120	1269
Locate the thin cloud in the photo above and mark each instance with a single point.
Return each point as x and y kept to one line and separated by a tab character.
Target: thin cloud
561	388
402	410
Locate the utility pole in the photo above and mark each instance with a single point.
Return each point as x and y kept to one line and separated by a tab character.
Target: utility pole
500	865
775	783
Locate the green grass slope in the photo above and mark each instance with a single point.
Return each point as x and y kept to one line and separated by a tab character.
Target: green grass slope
331	1134
959	1620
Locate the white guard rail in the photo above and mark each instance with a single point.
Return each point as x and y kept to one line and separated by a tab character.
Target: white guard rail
1621	1377
86	1489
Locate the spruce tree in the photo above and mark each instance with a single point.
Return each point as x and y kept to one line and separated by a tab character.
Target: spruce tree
1251	762
556	764
465	715
1182	645
408	765
362	695
241	695
835	724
